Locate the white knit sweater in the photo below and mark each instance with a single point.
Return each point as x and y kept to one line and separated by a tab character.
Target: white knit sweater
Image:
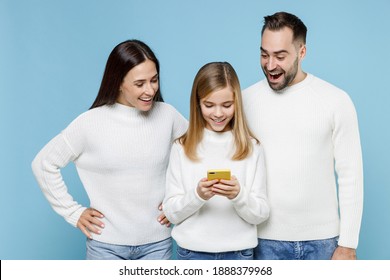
121	155
308	132
219	224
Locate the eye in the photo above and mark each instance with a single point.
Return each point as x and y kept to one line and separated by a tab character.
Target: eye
139	85
154	81
207	104
227	105
280	58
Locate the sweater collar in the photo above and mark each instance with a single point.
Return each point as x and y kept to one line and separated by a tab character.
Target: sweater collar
127	110
309	77
217	136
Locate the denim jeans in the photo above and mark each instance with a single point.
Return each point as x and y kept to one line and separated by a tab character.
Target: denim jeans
161	250
295	250
185	254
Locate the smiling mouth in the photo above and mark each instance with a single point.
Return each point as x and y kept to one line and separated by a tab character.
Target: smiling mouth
146	99
218	120
274	77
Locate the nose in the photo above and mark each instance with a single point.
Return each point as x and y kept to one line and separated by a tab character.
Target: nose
271	63
149	89
218	111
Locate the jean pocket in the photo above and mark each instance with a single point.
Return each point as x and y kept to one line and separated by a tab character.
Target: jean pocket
246	254
183	253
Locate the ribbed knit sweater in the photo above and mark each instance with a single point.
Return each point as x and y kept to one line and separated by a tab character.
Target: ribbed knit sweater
308	132
121	155
218	224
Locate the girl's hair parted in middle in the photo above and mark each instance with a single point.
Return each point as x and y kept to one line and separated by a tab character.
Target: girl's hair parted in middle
212	77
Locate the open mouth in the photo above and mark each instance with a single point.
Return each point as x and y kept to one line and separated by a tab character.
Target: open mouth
274	77
146	99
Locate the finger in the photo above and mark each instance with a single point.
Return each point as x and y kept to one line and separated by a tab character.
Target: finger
91	228
94	212
90	223
84	230
97	222
208	184
160	217
164	221
87	217
220	192
231	182
86	233
223	187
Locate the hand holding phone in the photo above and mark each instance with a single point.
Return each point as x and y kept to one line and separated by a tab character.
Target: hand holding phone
204	188
230	187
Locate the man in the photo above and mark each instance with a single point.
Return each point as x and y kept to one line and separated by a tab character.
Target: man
309	131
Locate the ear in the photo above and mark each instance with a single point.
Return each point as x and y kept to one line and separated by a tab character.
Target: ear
302	52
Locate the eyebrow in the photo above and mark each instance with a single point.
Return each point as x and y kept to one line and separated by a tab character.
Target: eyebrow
143	80
277	52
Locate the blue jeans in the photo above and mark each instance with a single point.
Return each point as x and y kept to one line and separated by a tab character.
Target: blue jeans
161	250
185	254
295	250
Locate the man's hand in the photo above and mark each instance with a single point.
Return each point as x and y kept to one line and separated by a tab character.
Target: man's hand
344	253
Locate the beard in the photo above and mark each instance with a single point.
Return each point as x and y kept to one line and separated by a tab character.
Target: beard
289	77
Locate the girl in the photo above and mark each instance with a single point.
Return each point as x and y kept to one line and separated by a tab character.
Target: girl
216	219
120	148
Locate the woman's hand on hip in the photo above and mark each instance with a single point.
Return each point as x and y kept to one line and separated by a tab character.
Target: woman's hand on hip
89	221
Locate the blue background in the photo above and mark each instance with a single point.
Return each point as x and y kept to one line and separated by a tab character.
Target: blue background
53	53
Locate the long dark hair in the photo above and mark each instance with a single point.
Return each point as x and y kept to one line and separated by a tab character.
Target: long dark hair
124	57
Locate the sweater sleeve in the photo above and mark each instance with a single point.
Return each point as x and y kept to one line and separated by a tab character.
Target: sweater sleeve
46	168
349	168
251	203
178	203
180	125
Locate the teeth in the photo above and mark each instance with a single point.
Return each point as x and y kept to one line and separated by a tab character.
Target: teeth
146	99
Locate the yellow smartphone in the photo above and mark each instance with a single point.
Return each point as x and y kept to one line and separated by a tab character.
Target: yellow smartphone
218	174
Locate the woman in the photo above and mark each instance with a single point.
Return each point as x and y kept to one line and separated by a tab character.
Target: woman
121	149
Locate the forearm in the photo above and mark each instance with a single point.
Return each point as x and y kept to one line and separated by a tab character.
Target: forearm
178	207
252	207
46	168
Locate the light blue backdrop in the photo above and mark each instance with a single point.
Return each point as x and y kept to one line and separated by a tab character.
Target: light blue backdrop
52	56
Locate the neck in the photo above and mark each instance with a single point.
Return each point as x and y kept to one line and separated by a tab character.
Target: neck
299	77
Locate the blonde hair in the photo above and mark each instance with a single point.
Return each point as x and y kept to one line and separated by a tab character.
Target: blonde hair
212	77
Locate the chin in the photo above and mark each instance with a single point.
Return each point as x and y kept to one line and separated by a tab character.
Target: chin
145	108
219	129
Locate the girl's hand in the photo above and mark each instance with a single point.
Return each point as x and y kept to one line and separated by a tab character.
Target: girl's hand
89	221
162	219
227	188
204	188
